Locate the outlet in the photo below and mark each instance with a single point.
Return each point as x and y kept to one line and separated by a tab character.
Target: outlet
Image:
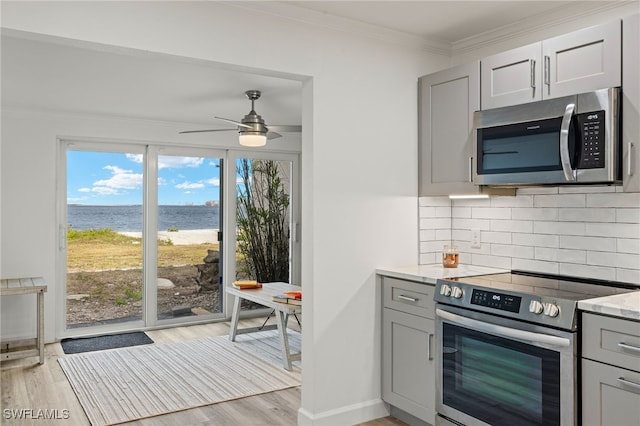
475	238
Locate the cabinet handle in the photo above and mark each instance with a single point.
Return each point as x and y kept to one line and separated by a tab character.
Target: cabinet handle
629	171
628	347
547	73
429	346
629	383
533	77
407	298
471	169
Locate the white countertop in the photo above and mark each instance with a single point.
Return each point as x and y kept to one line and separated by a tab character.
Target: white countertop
625	305
428	274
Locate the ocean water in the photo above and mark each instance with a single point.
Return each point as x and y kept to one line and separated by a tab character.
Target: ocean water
129	218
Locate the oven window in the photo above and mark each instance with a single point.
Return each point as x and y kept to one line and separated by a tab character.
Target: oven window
498	380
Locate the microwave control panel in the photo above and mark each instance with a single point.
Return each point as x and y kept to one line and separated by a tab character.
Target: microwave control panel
591	140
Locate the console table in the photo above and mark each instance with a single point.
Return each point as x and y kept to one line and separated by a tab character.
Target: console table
264	296
10	287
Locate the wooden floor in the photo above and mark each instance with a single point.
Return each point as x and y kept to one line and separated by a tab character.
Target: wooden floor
28	385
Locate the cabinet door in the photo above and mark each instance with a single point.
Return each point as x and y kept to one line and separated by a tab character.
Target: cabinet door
631	104
583	61
606	399
408	366
447	100
512	77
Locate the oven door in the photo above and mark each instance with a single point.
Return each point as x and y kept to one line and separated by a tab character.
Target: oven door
496	371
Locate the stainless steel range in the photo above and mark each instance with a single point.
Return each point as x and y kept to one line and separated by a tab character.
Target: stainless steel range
507	353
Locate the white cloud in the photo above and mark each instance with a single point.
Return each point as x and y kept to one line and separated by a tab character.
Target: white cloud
103	190
84	190
121	179
171	162
190	185
213	181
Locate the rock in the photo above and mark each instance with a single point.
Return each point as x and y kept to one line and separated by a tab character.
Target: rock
77	296
165	283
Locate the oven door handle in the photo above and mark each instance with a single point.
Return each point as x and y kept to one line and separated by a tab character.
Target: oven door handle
501	331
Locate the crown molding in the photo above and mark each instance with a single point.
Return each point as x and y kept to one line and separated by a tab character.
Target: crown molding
301	15
561	16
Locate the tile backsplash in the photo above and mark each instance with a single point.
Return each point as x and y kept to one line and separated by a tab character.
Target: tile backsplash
580	231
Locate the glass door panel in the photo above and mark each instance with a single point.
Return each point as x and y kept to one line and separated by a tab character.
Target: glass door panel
189	284
104	277
263	221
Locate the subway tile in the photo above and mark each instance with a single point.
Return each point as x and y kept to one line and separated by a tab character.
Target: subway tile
491	261
587	243
461	212
483	224
624	200
559	228
587	215
426	212
628	245
564	200
541	213
512	225
587	271
427	258
442	212
431	223
518	201
443	234
628	215
433	246
628	276
490	213
465	246
461	234
495	237
525	252
535	240
616	230
427	234
536	190
535	266
590	189
619	260
560	255
472	202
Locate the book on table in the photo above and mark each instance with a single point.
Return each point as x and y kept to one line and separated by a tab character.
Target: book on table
289	297
246	284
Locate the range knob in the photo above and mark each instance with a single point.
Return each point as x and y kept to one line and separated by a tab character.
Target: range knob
536	307
456	292
551	309
445	290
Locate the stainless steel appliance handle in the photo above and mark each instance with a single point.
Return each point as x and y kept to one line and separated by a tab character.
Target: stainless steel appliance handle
501	331
565	160
407	298
471	169
629	347
629	383
629	171
429	346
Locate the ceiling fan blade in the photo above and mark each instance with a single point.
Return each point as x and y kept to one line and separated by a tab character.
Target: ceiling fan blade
273	135
284	128
237	123
203	131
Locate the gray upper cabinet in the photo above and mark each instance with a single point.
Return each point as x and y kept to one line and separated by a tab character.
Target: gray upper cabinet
577	62
447	100
631	104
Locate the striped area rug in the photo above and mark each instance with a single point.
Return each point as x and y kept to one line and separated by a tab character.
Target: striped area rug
126	384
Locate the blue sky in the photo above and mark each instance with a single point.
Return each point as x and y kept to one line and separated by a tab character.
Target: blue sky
105	178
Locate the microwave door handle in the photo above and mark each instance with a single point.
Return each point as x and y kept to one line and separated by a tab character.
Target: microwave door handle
565	159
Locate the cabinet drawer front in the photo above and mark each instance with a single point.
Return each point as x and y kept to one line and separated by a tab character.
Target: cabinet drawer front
408	297
611	340
610	395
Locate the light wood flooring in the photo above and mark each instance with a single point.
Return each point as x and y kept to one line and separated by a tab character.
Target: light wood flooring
28	385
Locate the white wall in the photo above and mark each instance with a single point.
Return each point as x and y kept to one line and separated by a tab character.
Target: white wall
359	168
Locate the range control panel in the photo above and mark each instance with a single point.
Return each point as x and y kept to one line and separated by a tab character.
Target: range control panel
591	140
503	302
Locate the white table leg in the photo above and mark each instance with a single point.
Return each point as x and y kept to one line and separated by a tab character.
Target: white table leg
40	326
284	339
233	330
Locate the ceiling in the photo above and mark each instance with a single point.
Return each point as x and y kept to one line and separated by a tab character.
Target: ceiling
60	76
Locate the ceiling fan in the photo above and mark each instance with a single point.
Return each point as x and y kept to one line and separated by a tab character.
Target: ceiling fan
252	128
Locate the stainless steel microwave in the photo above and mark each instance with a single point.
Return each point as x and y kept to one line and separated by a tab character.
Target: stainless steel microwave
569	140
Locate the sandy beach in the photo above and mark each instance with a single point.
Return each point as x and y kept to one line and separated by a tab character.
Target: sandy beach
183	237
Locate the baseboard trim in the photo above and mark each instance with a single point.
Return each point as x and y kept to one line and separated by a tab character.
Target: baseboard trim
347	415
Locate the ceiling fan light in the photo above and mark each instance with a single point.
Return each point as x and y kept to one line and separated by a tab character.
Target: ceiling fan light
252	140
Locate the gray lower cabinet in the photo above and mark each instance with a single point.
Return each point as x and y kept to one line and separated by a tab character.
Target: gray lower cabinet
408	366
610	371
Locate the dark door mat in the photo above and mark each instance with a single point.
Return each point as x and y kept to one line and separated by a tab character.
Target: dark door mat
88	344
